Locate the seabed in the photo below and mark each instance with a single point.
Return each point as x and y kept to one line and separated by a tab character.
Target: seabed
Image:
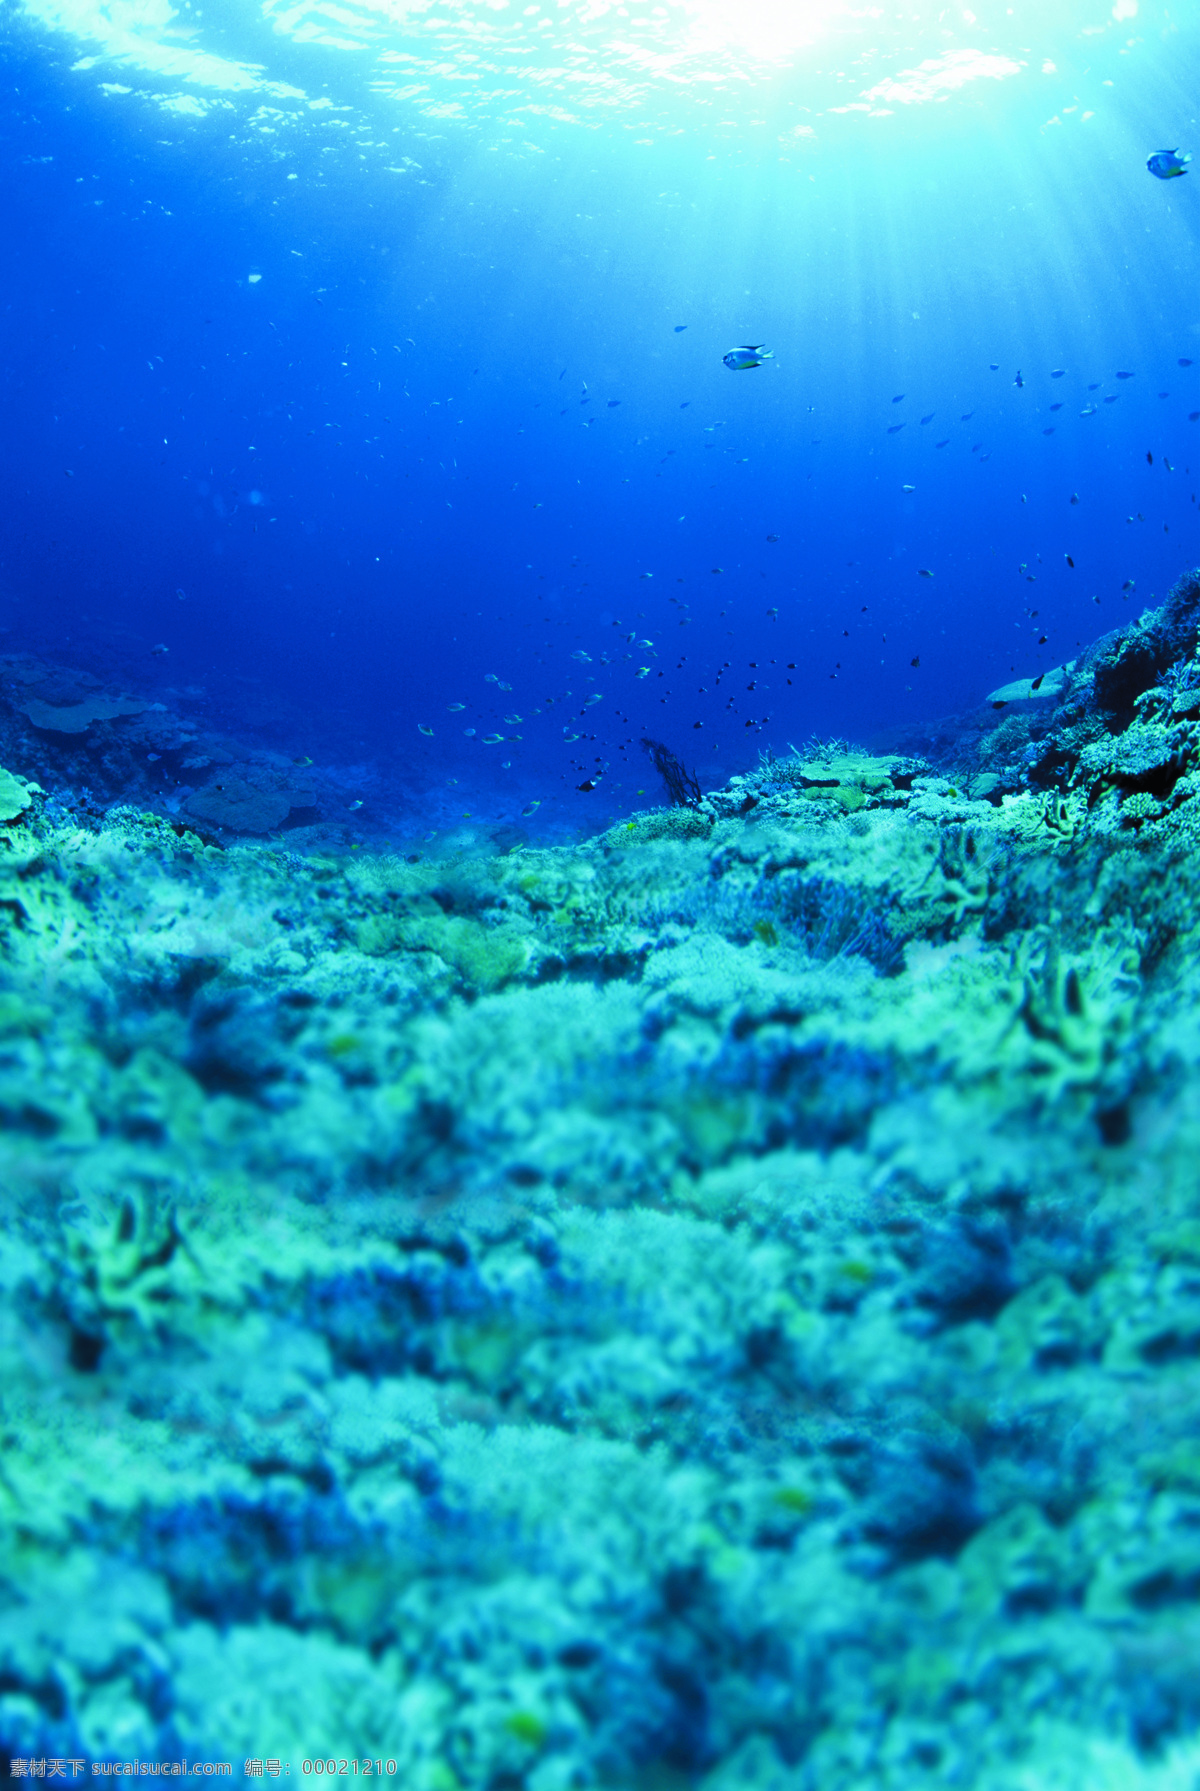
714	1305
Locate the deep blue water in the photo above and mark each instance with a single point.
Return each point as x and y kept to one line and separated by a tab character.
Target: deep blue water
368	398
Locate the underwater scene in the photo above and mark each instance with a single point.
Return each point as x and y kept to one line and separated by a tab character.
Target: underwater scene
600	894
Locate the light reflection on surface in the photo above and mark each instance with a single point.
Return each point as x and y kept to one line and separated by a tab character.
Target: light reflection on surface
656	64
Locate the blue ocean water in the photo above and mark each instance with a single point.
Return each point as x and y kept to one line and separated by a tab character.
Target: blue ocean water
364	351
509	1282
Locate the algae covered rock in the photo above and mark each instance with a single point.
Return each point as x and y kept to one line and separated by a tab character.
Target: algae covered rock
241	806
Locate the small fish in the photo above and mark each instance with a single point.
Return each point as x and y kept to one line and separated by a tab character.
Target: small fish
513	721
1074	497
304	761
1070	561
1057	372
492	739
1018	381
531	807
160	649
993	366
1167	464
772	537
182	596
1056	407
1089	410
469	733
908	488
748	355
924	572
581	655
1037	682
944	444
679	328
643	671
899	398
422	728
590	702
588	784
1126	375
351	806
1166	164
501	685
490	678
613	403
929	419
1128	585
966	416
456	708
915	660
645	643
895	428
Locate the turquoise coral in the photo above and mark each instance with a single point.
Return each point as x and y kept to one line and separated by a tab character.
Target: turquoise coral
487	1300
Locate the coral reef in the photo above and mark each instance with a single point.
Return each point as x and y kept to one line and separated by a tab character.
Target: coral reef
77	718
716	1305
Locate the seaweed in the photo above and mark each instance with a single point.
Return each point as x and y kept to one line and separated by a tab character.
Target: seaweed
683	786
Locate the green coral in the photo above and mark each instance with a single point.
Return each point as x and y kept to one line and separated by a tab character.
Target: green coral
661	824
483	957
1140	806
852	780
144	829
762	1259
14	797
1143	750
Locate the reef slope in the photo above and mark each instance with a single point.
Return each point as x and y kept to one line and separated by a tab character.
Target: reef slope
717	1305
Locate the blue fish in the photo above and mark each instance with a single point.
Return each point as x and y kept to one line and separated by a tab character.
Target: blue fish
1165	164
749	355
